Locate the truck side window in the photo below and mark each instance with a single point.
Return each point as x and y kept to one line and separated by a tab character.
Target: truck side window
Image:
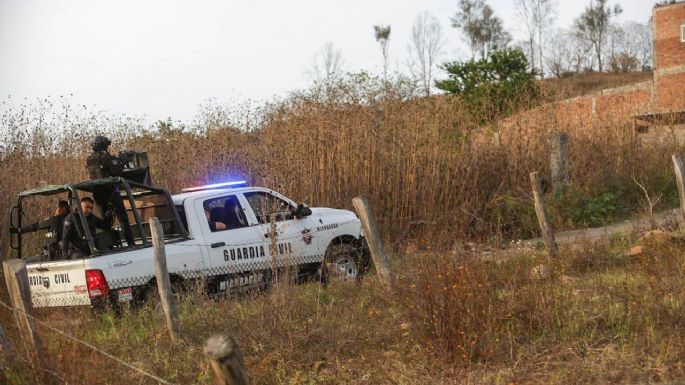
266	205
182	215
224	213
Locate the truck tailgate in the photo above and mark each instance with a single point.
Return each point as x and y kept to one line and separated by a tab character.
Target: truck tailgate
58	283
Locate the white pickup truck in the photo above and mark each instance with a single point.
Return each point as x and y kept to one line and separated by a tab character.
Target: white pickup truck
227	234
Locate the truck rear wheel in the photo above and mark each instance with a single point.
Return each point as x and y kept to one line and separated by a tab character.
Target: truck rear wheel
343	262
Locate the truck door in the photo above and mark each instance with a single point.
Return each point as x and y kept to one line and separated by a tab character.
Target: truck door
295	241
236	250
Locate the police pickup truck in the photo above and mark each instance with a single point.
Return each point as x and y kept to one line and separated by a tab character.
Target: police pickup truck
227	235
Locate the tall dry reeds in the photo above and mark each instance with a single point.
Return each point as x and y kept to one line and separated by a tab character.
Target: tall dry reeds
422	161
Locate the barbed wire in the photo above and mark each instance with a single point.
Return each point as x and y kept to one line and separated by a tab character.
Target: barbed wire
44	370
90	346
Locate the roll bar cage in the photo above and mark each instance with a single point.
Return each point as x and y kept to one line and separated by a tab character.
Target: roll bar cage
72	189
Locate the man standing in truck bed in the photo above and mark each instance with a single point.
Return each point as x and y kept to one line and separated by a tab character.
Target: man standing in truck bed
74	245
102	164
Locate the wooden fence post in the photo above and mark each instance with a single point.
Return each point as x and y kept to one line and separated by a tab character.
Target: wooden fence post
17	281
166	295
559	162
543	218
226	361
380	259
679	177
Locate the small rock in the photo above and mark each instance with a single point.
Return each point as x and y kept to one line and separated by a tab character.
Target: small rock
486	254
657	235
539	272
318	365
567	279
660	238
633	251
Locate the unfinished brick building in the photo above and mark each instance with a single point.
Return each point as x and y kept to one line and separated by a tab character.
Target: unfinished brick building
669	56
660	101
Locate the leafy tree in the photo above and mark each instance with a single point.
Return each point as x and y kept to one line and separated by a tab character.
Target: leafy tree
493	86
593	25
484	32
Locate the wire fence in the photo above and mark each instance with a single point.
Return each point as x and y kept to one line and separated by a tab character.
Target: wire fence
81	342
56	375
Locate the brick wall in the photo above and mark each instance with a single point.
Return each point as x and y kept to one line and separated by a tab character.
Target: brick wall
615	105
669	56
669	51
670	93
618	105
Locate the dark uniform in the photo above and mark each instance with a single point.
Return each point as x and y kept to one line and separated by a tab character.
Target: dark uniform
72	244
55	225
102	164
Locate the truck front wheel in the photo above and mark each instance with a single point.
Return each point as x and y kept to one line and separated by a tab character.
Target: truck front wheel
343	262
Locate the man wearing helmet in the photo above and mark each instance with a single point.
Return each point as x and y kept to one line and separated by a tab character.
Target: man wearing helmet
102	164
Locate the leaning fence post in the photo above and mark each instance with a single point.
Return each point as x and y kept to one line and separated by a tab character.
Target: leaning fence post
226	361
679	177
17	281
380	259
166	295
543	218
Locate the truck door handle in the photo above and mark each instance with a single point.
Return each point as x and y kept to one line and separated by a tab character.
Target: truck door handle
218	244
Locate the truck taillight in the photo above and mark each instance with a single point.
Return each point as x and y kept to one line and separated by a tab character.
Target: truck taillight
97	285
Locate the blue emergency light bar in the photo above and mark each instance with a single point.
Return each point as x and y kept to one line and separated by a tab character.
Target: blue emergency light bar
234	184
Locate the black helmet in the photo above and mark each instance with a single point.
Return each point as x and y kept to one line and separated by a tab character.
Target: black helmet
100	143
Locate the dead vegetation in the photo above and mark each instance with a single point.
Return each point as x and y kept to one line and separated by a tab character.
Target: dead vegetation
435	179
605	318
583	84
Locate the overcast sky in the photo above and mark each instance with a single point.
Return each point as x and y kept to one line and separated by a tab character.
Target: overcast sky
162	58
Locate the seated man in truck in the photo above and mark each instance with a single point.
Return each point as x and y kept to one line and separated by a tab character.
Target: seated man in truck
215	218
74	245
54	224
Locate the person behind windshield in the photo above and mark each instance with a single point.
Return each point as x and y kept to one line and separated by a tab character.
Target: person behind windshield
54	224
74	245
214	223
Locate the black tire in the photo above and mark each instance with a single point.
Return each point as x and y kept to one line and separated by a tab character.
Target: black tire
343	261
149	295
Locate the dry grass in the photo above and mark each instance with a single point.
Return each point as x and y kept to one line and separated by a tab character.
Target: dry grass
582	84
449	321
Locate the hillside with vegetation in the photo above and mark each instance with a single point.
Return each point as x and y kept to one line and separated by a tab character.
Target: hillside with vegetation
573	85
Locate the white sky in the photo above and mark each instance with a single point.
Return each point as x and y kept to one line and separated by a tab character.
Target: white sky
162	58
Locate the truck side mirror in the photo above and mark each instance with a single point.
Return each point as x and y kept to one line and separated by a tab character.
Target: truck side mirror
302	211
